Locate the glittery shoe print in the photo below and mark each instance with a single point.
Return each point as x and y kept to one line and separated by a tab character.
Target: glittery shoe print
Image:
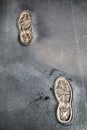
63	93
25	27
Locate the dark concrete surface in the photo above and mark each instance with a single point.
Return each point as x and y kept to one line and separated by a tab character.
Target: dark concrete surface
27	74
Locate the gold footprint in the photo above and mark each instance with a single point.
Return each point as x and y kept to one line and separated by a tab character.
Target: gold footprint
25	27
63	93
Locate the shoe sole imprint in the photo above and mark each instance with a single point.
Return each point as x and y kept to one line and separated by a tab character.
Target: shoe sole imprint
25	27
63	93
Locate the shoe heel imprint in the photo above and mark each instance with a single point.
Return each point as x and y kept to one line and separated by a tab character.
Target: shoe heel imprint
25	27
63	93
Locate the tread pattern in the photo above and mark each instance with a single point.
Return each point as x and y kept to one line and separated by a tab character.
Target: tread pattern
63	93
25	27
